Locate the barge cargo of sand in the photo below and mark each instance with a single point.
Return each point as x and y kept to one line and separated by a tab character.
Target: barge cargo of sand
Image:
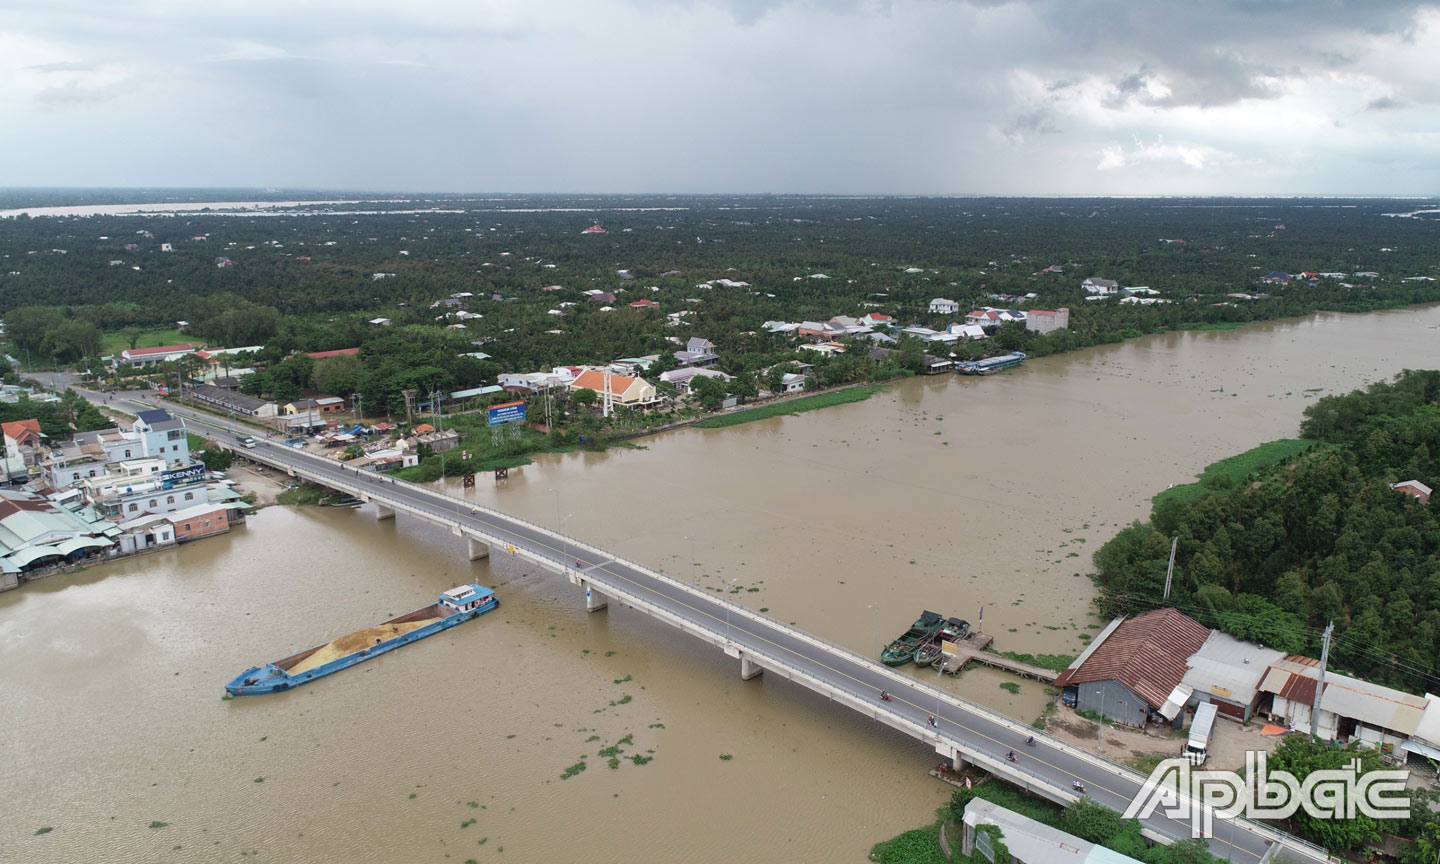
453	607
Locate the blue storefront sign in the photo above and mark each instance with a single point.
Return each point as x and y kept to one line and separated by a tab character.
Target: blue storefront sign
507	412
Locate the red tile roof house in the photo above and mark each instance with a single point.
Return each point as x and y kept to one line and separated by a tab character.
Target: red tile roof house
23	438
1134	665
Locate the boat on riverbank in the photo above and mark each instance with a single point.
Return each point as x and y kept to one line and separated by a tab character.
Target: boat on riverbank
453	607
990	365
903	649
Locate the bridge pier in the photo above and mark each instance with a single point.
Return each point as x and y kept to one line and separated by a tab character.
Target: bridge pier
475	549
594	600
748	668
382	512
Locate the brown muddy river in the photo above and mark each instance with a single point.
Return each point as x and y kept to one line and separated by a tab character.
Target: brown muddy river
940	493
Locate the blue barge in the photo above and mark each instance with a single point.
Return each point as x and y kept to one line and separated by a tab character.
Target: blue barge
457	605
990	365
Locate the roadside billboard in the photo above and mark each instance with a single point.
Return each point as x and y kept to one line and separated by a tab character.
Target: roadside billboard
507	412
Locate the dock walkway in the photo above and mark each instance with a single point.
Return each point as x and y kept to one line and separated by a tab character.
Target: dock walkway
972	648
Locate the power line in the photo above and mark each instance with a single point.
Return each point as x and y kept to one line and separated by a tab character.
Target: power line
1345	640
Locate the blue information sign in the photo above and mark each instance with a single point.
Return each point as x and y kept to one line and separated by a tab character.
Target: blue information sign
507	412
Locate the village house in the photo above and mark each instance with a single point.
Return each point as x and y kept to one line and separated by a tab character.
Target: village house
1099	287
793	382
1414	488
682	378
966	331
822	330
876	319
1046	321
942	306
202	520
163	437
698	352
992	317
24	445
829	348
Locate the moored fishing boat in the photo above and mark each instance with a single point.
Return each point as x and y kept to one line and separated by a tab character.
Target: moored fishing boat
902	650
932	652
453	607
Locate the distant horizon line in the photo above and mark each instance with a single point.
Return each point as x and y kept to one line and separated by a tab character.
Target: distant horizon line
373	193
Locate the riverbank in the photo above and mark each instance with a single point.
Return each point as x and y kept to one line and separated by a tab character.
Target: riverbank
258	482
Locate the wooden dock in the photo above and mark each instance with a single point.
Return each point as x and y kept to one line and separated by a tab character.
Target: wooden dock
972	648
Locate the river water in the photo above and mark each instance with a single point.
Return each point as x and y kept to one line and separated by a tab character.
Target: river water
941	493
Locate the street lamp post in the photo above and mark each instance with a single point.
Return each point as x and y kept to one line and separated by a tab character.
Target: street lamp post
875	626
1100	723
694	577
560	527
727	613
939	671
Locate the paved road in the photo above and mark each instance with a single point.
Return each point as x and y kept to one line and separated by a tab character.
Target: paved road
980	734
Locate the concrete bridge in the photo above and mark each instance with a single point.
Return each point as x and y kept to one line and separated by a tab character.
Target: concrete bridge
962	732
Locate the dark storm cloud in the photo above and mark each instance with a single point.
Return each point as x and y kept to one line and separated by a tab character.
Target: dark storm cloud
722	95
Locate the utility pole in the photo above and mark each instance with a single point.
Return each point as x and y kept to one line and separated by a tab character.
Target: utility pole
1171	572
1320	683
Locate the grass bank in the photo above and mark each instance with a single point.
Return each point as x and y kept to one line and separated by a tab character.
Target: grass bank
792	406
303	495
1230	472
1053	662
481	450
1213	325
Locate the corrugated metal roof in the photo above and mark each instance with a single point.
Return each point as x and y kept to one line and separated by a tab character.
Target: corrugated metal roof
1178	697
1295	677
1429	727
1147	654
1229	668
1029	840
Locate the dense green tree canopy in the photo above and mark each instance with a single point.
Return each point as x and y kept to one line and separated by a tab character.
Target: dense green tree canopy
1319	538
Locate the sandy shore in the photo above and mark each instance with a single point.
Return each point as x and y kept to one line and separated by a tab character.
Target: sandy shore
264	482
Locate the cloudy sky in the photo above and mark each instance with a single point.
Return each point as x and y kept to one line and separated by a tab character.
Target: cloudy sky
1032	97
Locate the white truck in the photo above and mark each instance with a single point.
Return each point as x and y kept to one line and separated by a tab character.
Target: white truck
1201	731
245	440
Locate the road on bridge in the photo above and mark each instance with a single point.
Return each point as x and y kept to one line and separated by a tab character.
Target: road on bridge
977	732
